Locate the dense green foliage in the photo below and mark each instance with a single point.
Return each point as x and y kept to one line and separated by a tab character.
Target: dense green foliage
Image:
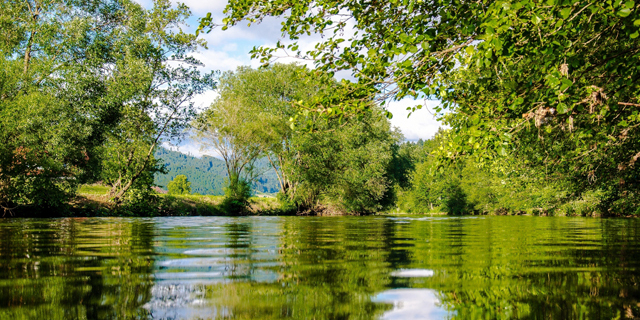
339	166
63	82
179	185
87	90
552	85
163	108
541	98
346	167
236	195
467	187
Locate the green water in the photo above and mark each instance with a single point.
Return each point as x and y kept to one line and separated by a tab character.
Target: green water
320	268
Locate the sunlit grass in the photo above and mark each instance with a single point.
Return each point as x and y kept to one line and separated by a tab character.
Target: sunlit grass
93	189
95	198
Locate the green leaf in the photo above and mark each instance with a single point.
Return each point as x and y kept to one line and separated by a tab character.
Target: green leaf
634	35
565	13
637	23
624	12
469	50
629	4
562	108
536	18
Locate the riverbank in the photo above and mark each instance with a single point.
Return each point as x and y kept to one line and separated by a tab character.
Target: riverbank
93	201
97	204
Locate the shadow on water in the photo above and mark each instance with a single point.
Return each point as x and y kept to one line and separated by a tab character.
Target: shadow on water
320	268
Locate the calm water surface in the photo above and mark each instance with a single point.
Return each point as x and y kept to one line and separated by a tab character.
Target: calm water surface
320	268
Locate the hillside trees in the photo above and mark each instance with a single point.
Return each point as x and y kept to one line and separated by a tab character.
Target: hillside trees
552	83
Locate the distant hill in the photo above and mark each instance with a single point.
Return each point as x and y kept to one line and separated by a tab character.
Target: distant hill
207	174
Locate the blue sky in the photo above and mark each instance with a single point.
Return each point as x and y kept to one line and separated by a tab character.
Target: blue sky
230	48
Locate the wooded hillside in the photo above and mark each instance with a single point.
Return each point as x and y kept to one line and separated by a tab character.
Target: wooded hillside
207	174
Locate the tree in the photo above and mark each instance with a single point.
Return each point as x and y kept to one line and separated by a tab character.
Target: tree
227	128
62	87
163	106
265	100
553	83
346	167
179	185
222	129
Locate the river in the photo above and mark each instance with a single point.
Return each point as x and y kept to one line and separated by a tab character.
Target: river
376	267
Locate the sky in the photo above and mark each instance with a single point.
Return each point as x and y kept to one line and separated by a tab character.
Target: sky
229	49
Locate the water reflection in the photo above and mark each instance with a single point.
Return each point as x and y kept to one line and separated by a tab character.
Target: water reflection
320	268
412	304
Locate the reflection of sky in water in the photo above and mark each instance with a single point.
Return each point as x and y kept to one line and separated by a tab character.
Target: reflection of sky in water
412	304
178	301
412	273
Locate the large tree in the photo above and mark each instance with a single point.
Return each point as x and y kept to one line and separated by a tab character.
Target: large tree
61	89
263	103
162	107
554	82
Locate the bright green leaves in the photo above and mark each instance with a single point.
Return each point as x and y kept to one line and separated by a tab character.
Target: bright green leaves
624	12
550	73
565	13
562	108
626	9
535	18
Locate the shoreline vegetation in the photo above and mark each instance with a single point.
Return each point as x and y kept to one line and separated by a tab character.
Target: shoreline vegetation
93	201
538	123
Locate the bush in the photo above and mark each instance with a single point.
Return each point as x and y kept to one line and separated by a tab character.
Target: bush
179	185
237	194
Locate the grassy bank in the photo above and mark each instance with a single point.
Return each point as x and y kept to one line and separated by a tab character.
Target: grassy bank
93	200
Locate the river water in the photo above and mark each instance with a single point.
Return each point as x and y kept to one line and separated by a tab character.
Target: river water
378	267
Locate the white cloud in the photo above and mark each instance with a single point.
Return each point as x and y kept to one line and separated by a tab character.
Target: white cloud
422	123
199	6
220	60
230	47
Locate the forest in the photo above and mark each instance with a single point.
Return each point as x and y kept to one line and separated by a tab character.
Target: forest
539	102
207	174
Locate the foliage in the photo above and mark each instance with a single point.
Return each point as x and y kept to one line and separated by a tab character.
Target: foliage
236	196
61	89
346	167
221	129
179	185
207	174
338	166
87	90
553	84
163	108
467	187
265	100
